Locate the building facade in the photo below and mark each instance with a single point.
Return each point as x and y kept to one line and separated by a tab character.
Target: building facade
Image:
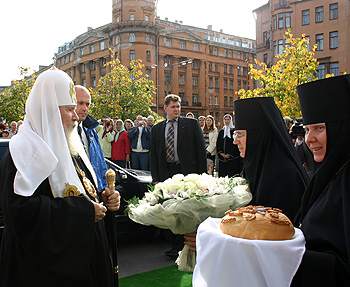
324	22
204	67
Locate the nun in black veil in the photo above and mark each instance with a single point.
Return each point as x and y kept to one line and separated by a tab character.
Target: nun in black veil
276	177
325	210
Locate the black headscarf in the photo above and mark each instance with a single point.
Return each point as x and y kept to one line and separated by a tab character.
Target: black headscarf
327	101
276	176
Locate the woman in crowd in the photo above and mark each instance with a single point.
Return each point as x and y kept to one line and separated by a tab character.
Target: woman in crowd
128	124
325	209
120	145
230	162
276	177
106	135
210	133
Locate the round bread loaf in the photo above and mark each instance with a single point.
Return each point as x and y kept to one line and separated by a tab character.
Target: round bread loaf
257	222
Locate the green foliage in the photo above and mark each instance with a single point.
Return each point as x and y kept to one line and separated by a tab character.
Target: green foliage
124	92
295	66
13	99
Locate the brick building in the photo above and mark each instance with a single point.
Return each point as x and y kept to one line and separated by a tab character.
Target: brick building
325	22
204	67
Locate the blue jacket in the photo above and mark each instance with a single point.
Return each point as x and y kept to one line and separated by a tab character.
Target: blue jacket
96	155
145	137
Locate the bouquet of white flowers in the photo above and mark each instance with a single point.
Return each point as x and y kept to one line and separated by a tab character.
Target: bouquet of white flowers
181	203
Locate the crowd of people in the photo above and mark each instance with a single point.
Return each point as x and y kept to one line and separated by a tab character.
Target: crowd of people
300	166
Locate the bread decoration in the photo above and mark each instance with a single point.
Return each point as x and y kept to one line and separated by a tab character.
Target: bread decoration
257	222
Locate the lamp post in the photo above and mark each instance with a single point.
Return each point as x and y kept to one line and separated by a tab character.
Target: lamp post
168	67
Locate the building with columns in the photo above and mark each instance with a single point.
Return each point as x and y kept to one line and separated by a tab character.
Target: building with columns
204	67
325	22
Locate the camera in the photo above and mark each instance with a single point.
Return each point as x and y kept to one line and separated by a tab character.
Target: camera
108	124
298	127
141	122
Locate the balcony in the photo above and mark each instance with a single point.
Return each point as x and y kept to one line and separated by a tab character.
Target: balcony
281	5
184	103
197	104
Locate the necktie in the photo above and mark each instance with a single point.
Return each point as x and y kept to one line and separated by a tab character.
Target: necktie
170	151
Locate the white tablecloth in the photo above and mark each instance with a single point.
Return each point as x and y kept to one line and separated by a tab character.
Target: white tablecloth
223	260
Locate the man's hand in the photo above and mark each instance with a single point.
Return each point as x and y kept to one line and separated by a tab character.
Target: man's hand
100	211
190	240
111	201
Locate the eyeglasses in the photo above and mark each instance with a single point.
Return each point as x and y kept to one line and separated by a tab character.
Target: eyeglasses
238	136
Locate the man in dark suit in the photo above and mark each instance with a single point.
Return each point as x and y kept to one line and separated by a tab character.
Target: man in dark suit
177	146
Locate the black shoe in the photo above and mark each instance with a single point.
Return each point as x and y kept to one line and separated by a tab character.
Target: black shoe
172	253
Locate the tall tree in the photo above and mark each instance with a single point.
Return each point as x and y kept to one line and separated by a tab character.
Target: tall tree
124	92
13	99
295	66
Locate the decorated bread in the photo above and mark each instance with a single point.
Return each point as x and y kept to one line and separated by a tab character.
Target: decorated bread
257	222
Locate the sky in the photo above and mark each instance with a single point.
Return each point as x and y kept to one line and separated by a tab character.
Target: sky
32	31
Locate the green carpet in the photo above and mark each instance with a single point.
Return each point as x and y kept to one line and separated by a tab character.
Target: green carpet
164	277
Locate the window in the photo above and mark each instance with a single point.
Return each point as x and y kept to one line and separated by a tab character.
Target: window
183	45
265	37
230	67
239	55
148	38
319	42
118	19
265	58
92	48
168	42
93	65
132	55
181	79
306	17
146	18
102	45
333	40
274	48
182	96
239	85
195	64
239	69
211	82
333	11
334	69
81	51
196	47
211	50
216	83
83	68
195	81
93	81
308	44
116	40
216	100
225	84
210	99
103	62
70	57
148	56
275	22
244	71
167	76
280	47
84	82
225	53
244	56
148	73
244	85
131	37
231	84
132	17
225	68
288	19
216	51
231	101
194	99
321	71
210	66
116	55
225	101
230	54
280	20
319	14
216	67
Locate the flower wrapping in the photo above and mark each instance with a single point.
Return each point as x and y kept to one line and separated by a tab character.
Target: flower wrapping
181	203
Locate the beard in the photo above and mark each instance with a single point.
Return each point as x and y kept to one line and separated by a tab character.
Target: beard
75	145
